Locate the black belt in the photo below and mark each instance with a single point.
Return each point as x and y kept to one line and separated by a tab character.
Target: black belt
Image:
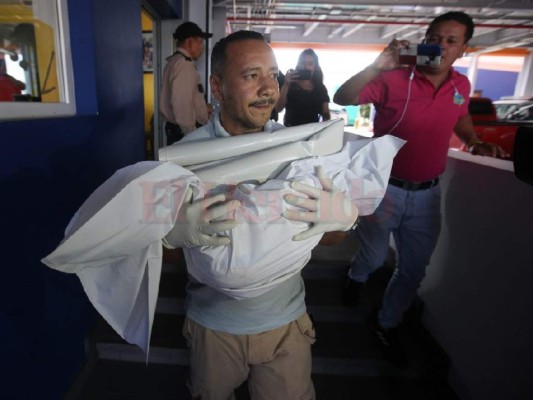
413	185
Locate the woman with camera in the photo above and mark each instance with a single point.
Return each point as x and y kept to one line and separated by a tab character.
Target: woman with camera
303	94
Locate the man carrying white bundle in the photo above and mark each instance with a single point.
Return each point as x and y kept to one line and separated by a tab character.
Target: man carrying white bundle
265	339
245	242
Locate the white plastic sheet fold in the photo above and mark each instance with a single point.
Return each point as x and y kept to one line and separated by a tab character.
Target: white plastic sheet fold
261	253
113	243
314	139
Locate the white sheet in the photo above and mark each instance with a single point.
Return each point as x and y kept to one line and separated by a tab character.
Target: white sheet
262	253
113	242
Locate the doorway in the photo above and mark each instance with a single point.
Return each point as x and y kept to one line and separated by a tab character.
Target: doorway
150	79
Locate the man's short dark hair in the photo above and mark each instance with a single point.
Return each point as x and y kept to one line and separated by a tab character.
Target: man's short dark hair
219	56
318	76
457	16
189	29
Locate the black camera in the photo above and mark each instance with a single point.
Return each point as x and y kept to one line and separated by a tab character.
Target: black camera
303	75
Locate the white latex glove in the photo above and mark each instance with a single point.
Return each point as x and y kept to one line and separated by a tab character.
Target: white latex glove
198	223
327	210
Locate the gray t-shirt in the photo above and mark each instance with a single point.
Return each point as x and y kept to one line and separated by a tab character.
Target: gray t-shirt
215	310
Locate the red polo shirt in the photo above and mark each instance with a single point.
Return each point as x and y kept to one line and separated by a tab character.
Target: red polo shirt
428	123
9	87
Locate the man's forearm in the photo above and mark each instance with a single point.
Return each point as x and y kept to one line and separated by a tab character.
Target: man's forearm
464	129
282	100
348	93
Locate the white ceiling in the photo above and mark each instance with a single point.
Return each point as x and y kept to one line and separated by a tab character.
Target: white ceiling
499	24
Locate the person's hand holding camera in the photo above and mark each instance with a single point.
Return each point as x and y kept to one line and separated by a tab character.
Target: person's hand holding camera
290	76
297	75
389	58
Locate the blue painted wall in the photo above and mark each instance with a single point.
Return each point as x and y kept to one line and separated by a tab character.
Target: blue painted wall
47	168
494	84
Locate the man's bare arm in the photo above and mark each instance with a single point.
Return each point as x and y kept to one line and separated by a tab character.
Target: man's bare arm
348	93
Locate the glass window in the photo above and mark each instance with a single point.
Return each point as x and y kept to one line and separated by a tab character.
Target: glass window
35	65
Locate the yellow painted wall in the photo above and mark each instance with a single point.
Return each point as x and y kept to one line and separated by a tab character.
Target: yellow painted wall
148	99
148	26
146	21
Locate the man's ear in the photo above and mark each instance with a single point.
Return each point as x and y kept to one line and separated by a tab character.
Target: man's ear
216	87
189	42
465	48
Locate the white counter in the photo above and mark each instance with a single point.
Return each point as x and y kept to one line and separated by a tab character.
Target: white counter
479	286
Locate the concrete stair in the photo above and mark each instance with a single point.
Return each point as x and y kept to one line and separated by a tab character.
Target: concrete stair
347	362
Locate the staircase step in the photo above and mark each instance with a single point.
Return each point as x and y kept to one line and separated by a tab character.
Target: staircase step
170	305
112	379
347	362
176	306
322	291
322	270
166	332
340	253
168	326
321	365
360	367
172	284
127	352
343	344
341	387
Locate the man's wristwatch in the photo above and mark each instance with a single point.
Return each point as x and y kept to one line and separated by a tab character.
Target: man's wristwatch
470	146
354	226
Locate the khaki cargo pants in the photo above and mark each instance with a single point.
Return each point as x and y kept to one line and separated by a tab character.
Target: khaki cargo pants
277	363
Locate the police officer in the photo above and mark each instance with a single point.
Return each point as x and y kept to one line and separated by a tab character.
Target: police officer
182	101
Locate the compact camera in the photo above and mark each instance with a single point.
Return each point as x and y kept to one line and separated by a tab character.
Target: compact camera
303	74
421	54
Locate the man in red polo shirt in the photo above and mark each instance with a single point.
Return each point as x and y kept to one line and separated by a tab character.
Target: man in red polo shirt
9	86
423	105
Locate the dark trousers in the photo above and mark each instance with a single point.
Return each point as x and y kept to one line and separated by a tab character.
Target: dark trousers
173	132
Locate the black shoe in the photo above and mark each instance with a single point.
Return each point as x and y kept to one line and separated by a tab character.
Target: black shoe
351	291
389	342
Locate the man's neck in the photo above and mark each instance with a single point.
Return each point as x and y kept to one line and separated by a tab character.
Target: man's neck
436	77
184	51
235	129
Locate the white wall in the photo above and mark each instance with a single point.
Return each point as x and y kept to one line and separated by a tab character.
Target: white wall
197	12
194	11
524	83
214	23
478	291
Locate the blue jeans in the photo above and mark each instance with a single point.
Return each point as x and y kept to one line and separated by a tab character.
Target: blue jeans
414	219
